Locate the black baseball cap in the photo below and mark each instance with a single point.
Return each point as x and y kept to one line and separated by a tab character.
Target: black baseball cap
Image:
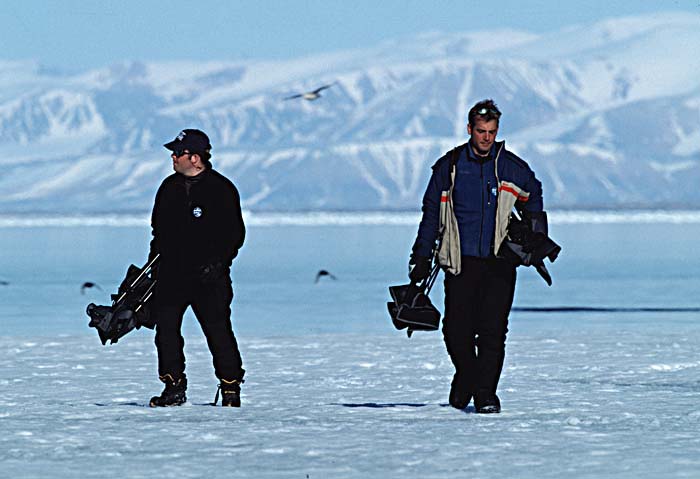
190	139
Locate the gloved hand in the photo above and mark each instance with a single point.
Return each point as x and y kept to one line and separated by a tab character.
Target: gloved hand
212	272
154	272
419	268
154	269
533	241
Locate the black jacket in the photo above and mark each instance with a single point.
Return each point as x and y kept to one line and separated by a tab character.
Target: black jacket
196	221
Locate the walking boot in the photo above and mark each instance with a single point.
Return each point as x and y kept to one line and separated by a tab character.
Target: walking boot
460	395
230	393
487	402
173	394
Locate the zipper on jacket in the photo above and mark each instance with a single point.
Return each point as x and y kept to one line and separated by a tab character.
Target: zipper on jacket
488	202
481	229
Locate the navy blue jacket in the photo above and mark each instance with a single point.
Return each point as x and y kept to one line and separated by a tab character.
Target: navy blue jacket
474	198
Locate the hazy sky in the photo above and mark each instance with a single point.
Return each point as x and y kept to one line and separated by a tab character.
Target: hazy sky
79	34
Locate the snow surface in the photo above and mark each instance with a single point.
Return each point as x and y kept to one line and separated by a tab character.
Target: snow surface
332	390
581	398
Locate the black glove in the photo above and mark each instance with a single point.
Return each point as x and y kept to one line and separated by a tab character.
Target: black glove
419	268
154	272
534	241
212	272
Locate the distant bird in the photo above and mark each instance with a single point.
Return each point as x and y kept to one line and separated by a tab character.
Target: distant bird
88	285
311	95
4	283
323	272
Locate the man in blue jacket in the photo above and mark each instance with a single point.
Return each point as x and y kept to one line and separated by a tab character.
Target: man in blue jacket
483	181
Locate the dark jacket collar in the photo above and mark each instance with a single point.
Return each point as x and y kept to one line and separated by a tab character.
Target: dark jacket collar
471	156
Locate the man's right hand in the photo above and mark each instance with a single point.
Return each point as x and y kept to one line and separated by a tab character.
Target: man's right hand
212	272
419	268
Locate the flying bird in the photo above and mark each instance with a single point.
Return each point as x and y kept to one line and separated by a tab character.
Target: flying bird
4	283
88	285
311	95
323	272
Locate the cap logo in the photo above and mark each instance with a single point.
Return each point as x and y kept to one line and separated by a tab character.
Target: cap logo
181	136
197	212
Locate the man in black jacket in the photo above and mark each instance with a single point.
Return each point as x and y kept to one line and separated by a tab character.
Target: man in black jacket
197	230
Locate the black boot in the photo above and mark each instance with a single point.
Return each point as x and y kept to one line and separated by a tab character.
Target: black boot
487	402
173	394
460	393
230	393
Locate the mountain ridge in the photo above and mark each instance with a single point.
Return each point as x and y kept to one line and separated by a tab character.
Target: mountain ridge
607	119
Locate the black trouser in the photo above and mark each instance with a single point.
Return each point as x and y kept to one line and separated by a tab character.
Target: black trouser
477	304
211	304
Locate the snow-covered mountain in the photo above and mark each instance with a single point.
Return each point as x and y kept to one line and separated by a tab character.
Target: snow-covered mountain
608	115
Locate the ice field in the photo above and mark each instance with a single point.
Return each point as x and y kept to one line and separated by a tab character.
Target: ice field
332	390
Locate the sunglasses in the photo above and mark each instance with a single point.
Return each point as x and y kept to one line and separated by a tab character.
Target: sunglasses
179	153
485	110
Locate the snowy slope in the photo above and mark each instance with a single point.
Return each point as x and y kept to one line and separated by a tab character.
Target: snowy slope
605	113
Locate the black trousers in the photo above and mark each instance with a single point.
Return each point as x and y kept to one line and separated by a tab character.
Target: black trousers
211	304
477	304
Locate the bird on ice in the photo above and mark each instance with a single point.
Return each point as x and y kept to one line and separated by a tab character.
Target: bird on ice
323	272
311	95
88	285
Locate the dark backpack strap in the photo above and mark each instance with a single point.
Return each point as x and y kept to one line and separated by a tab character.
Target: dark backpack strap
454	158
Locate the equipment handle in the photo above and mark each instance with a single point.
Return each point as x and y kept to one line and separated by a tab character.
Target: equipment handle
431	279
427	284
146	268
